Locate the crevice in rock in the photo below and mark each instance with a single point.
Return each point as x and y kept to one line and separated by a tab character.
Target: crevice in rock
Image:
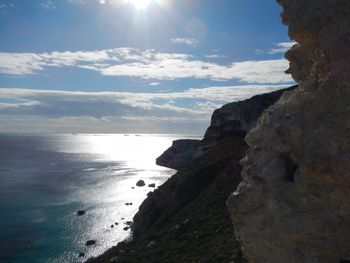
291	168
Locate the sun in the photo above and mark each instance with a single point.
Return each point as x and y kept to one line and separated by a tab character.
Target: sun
142	4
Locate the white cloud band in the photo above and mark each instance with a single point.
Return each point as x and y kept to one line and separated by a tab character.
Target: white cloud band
146	64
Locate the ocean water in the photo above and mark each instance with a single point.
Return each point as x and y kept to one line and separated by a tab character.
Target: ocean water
46	179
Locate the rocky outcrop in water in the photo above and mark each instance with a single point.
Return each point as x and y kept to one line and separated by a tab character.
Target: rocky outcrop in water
293	204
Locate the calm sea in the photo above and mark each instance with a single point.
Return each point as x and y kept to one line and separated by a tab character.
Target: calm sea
46	179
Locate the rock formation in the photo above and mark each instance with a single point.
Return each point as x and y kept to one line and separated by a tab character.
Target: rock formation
180	154
293	204
240	116
229	120
185	219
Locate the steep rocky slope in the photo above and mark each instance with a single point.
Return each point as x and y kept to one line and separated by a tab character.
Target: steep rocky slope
180	154
231	119
186	219
240	116
293	204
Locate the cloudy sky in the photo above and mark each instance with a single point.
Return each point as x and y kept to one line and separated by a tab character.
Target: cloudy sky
134	66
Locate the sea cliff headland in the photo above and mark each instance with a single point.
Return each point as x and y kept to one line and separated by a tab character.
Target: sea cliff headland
290	201
186	219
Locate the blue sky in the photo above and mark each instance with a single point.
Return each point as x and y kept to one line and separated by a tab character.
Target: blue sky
138	66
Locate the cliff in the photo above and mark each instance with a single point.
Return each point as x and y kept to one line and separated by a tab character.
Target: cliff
240	116
293	204
180	154
291	199
186	219
229	120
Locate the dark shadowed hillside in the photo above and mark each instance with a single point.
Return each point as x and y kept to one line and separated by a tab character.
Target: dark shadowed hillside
186	219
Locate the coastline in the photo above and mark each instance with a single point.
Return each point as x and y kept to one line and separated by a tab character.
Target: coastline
186	218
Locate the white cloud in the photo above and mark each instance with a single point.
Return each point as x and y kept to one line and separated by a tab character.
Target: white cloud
187	41
278	48
20	63
281	47
125	100
146	64
115	111
215	56
208	106
154	84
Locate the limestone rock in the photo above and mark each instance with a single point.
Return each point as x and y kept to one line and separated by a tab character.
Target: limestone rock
240	116
293	204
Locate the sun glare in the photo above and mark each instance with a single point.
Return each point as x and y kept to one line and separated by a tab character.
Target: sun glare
142	4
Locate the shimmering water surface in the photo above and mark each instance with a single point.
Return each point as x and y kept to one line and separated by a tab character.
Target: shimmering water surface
45	180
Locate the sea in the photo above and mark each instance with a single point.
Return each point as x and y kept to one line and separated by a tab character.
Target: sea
46	179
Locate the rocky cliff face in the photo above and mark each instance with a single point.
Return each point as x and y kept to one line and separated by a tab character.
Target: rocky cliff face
229	120
201	162
240	116
185	219
293	204
180	154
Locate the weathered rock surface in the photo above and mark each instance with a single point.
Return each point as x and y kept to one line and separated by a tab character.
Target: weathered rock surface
293	204
240	116
230	119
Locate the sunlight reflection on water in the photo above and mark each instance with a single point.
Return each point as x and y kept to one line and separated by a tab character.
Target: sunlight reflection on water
46	179
107	189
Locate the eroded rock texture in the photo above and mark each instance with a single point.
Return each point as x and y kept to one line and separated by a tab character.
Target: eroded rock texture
231	119
294	202
240	116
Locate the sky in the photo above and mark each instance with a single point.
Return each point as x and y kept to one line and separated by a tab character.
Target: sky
134	66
